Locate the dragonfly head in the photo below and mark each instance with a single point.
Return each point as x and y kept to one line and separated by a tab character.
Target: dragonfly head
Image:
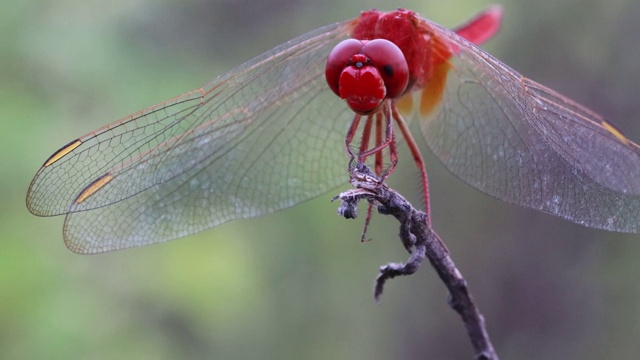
366	72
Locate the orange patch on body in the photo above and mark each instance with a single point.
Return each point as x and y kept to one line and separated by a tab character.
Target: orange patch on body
434	88
405	104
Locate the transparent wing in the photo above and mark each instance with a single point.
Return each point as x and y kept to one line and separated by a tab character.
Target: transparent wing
523	143
263	137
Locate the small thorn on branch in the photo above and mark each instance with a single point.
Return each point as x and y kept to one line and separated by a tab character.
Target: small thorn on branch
420	241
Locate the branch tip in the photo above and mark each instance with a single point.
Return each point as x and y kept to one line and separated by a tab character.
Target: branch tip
419	239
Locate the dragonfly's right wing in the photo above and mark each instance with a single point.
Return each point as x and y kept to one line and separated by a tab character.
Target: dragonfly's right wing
523	143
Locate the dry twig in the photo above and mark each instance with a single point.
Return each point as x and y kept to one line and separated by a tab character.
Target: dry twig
420	240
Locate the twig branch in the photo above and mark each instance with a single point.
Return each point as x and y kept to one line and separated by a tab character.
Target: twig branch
420	240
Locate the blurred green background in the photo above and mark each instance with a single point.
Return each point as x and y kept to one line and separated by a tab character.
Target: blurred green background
298	283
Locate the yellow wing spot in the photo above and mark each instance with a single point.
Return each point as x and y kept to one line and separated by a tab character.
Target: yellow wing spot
92	188
62	152
615	132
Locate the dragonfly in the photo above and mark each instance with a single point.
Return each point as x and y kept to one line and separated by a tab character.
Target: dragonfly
268	134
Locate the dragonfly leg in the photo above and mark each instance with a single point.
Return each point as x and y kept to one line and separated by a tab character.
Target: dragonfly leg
384	117
366	134
349	138
390	141
417	157
367	220
379	166
389	138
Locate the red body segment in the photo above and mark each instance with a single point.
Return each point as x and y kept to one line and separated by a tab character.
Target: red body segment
482	27
403	28
426	53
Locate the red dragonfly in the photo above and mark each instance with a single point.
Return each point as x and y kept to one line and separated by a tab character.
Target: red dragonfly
267	135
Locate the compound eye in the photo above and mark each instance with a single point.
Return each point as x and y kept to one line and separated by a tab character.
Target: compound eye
391	63
339	58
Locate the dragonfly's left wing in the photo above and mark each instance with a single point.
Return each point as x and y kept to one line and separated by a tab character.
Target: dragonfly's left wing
265	136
